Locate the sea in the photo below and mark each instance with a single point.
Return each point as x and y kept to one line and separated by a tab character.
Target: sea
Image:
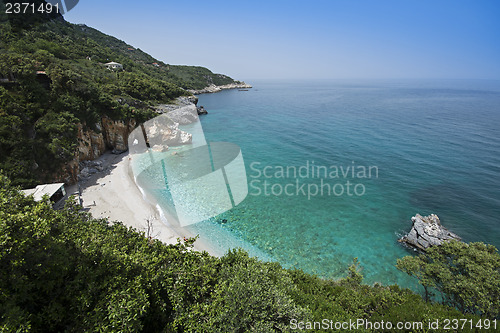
337	168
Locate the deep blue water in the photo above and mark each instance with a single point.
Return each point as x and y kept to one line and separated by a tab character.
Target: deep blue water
432	146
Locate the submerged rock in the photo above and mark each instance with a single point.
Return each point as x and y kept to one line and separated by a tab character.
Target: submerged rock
427	231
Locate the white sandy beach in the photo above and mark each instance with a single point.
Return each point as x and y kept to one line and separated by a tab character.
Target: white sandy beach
113	194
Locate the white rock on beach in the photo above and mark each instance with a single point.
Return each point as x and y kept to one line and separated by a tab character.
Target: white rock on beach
165	132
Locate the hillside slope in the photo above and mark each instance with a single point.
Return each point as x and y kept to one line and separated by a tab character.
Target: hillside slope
54	83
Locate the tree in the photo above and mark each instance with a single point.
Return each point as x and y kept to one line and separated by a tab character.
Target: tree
466	276
63	271
250	296
354	275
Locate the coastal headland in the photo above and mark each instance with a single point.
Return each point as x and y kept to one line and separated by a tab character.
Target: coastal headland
214	88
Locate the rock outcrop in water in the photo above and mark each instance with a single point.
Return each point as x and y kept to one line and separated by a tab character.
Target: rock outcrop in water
107	134
201	110
113	135
427	231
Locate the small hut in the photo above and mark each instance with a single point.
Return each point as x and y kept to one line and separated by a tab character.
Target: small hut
56	192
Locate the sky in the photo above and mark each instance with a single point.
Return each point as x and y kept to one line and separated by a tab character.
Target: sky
330	39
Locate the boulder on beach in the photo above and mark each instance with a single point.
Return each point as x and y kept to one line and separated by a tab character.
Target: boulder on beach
427	231
163	131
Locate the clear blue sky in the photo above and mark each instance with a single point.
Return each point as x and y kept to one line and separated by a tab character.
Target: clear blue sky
310	39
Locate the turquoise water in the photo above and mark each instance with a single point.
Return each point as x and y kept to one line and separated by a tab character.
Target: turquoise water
431	147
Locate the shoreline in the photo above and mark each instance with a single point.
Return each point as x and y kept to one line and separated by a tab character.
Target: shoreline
214	88
113	194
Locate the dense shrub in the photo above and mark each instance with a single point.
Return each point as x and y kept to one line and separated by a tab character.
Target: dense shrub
465	276
63	271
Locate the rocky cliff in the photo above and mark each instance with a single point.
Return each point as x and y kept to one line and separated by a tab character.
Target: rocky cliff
113	135
109	135
182	102
213	88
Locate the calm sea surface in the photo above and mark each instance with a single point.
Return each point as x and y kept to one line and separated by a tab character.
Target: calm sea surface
336	169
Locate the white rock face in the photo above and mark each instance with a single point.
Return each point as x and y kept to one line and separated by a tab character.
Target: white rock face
186	138
164	132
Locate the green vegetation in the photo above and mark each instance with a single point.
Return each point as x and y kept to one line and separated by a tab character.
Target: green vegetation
63	271
465	276
40	113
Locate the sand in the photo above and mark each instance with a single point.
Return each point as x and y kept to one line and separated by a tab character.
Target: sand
114	195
